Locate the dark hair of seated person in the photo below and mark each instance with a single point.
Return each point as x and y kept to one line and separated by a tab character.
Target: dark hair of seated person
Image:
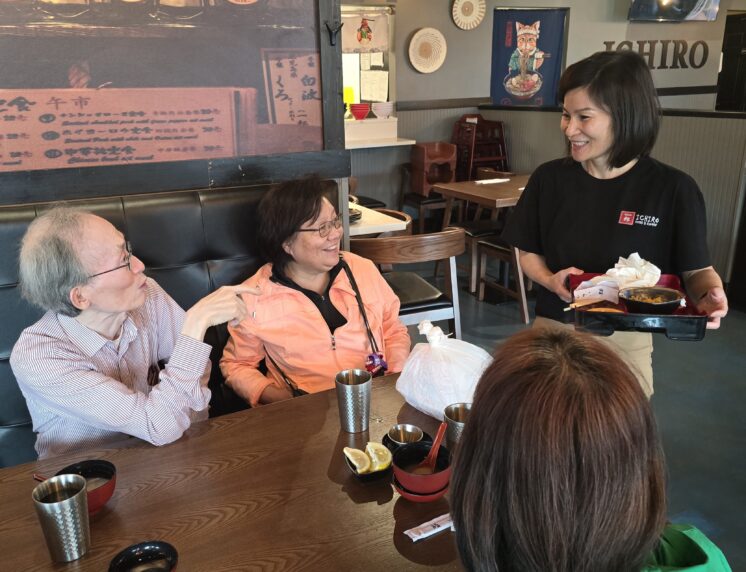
283	211
559	468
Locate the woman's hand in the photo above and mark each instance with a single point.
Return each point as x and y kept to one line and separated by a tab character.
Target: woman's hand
535	267
274	393
222	305
558	281
705	287
714	303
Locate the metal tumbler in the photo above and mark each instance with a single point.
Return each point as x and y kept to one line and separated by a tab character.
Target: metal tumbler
455	416
62	507
353	398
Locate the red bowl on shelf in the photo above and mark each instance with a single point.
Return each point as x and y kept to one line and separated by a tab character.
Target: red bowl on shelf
360	110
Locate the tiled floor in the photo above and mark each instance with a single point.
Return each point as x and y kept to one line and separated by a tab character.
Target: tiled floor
700	404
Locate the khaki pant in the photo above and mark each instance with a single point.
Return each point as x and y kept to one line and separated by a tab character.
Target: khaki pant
635	348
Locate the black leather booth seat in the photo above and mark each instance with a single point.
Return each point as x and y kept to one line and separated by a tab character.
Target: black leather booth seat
191	243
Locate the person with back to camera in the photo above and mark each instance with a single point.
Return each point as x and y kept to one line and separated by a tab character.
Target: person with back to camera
320	311
560	469
90	367
610	199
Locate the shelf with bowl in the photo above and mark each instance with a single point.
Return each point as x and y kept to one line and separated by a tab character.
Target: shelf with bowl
374	132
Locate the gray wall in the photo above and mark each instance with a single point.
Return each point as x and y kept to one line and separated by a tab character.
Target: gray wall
712	150
466	71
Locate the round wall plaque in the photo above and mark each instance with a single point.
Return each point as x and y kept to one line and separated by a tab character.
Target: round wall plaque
427	50
468	14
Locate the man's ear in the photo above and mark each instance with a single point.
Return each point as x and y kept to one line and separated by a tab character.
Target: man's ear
79	299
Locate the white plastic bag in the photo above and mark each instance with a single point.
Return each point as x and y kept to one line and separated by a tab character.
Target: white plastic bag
441	372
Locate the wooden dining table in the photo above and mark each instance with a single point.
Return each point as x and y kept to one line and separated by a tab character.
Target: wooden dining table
262	489
488	195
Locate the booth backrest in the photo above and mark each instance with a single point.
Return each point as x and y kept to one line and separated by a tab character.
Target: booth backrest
191	243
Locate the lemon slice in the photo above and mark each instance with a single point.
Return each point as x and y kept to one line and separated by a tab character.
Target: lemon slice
379	455
359	459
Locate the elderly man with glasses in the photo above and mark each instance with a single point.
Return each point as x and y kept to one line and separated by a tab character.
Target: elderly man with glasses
89	367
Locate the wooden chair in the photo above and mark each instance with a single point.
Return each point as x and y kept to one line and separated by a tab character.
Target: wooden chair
479	143
481	229
419	299
507	255
430	163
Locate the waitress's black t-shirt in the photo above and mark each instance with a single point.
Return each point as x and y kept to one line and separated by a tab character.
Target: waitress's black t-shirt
573	219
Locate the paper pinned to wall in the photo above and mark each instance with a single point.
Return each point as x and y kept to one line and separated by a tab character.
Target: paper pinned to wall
365	33
351	74
376	59
374	85
365	62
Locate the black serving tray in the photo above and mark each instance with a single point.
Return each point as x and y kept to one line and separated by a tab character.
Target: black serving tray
685	324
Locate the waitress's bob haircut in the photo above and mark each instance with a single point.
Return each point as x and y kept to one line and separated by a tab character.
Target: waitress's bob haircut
621	84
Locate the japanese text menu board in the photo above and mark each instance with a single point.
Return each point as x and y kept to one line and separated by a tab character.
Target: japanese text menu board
62	128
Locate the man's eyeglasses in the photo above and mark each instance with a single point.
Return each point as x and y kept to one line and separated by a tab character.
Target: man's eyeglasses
126	264
325	228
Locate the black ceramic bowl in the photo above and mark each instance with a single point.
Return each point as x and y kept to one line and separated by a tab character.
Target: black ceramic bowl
651	300
150	556
367	477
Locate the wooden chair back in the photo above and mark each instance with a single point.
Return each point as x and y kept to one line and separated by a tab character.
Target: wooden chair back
437	246
409	249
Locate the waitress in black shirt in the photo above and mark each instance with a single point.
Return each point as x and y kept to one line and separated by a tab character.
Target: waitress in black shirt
610	199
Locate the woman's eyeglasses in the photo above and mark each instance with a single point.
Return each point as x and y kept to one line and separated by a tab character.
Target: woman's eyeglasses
127	260
325	228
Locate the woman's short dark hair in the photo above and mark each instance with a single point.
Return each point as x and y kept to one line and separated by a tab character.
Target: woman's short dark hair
283	211
559	468
619	82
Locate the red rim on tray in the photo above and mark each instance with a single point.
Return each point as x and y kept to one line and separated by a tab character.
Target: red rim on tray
685	323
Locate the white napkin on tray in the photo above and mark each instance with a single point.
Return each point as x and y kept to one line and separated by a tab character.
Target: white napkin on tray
491	181
633	271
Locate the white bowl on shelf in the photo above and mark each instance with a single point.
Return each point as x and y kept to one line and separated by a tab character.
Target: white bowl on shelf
383	109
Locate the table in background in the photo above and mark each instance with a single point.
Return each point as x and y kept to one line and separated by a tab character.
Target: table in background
266	488
374	222
491	196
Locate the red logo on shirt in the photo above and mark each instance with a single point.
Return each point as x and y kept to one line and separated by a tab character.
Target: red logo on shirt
627	217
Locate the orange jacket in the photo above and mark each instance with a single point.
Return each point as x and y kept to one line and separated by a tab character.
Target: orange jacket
292	329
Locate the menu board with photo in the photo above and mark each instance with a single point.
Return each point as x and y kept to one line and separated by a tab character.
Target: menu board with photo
91	84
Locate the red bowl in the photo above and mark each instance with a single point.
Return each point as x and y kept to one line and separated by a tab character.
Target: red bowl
414	497
409	455
95	469
360	110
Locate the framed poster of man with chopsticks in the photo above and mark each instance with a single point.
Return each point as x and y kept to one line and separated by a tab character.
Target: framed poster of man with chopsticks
528	51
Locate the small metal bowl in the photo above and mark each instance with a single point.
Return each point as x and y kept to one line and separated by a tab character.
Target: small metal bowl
403	433
670	300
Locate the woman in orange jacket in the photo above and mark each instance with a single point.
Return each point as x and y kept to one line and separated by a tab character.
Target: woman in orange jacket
320	310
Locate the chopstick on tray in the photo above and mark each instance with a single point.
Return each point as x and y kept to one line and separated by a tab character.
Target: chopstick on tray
583	302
